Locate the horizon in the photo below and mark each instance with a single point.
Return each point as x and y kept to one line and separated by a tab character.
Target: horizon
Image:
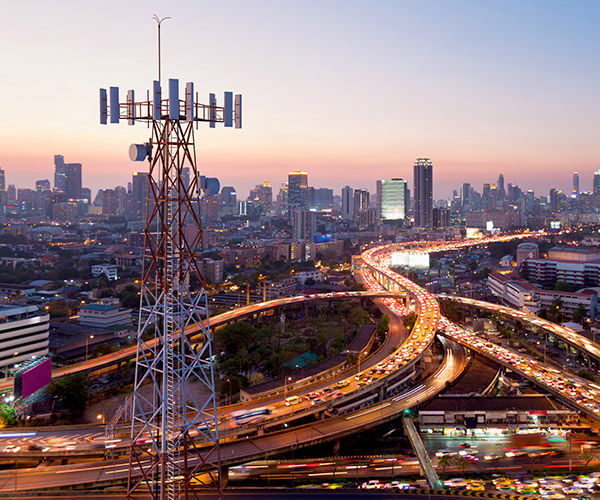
337	90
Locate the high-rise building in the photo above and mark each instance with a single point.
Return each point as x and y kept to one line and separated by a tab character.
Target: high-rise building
320	199
575	193
597	182
42	185
59	173
347	203
2	181
423	177
139	194
440	218
72	181
465	192
11	193
228	202
501	184
554	200
110	204
362	201
297	190
185	177
391	200
304	223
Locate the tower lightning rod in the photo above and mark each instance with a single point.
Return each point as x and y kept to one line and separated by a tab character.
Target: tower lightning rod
158	22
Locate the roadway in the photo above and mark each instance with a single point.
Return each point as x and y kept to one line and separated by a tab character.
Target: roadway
574	339
130	353
454	362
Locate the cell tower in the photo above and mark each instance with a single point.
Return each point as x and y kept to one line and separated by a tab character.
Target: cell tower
174	434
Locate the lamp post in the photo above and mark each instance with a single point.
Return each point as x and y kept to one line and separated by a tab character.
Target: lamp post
229	382
86	345
287	379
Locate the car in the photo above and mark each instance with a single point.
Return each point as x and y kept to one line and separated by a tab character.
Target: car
327	389
337	395
373	484
572	491
317	401
476	486
343	383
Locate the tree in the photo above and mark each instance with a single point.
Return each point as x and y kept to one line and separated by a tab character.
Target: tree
444	462
383	325
409	320
72	392
60	307
129	296
579	314
7	415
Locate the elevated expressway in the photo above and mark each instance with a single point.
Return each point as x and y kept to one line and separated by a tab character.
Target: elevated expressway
578	393
129	353
331	428
566	335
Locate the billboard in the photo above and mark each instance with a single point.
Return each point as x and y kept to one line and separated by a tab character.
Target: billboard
417	260
32	377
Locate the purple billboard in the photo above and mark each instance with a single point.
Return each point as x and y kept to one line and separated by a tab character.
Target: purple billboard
32	378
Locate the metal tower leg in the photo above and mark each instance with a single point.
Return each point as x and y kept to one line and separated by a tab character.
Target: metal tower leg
169	418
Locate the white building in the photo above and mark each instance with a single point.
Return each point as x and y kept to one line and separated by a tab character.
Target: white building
109	270
302	276
23	333
103	315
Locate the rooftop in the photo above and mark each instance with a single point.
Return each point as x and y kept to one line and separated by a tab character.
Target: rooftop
99	307
491	403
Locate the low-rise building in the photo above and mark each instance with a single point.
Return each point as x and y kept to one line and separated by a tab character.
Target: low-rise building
214	270
23	333
108	270
103	315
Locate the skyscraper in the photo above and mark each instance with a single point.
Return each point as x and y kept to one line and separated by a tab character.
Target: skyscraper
72	181
2	181
362	201
423	177
465	192
59	173
297	190
228	202
575	193
347	203
139	194
304	223
391	199
597	182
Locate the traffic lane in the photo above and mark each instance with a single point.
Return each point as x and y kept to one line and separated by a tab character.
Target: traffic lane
270	494
60	476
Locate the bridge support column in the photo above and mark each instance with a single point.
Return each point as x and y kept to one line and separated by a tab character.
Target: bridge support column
381	393
336	447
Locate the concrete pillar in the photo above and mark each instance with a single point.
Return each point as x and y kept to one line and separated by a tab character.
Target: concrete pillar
336	447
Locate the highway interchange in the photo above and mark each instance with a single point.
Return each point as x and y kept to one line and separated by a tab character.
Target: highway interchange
382	281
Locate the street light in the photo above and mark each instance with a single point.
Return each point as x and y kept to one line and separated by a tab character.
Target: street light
229	382
100	416
86	345
287	379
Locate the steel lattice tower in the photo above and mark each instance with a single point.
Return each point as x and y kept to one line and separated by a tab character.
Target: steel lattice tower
175	436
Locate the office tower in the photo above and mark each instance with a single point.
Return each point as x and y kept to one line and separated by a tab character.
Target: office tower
465	194
139	185
297	190
42	185
347	203
185	177
575	185
109	202
2	181
391	200
597	181
228	202
72	181
501	183
440	218
265	196
59	173
554	200
423	178
322	199
86	194
304	224
361	202
11	193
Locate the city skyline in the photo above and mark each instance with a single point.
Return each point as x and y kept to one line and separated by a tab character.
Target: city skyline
518	101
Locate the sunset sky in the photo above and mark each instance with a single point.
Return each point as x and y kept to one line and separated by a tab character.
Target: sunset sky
350	91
